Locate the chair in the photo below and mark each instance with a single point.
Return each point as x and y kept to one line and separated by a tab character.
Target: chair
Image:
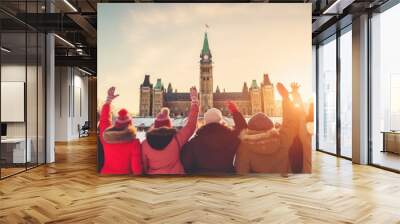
84	130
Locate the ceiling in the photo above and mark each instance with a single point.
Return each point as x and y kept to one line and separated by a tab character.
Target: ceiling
75	23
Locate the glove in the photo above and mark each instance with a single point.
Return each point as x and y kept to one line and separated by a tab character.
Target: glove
232	107
193	95
111	95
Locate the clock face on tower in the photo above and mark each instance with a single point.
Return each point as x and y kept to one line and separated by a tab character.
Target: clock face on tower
205	57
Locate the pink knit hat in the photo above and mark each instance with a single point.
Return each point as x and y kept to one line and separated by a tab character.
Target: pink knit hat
163	119
213	115
123	119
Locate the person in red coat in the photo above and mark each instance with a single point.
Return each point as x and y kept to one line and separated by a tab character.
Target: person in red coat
122	150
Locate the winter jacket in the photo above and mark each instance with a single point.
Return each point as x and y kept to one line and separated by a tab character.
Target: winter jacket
161	149
300	151
213	148
122	153
267	151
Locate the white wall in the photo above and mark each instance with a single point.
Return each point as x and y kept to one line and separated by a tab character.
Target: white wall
33	127
71	102
16	73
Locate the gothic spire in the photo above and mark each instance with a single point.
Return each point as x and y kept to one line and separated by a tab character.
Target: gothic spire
146	82
245	89
267	81
254	84
159	85
206	48
169	88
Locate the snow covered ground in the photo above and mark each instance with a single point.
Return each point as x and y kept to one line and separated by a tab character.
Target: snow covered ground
141	135
146	122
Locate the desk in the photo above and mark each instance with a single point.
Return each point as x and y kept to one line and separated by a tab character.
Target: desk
13	150
391	141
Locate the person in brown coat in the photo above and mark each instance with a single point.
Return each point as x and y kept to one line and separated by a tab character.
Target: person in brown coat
300	151
264	149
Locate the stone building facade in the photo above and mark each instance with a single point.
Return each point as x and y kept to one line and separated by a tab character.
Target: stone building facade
253	99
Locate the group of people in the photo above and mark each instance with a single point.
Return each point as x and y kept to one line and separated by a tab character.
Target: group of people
256	146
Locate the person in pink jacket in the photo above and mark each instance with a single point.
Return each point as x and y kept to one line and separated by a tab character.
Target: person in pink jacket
161	149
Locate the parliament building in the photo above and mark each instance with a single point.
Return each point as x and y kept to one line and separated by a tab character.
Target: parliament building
253	99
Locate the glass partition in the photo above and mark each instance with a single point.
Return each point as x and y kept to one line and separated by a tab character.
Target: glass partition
385	89
346	93
22	66
327	96
14	155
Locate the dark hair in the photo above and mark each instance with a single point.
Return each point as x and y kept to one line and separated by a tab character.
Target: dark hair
159	138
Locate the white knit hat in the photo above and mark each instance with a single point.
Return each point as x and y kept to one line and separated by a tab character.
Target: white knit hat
213	115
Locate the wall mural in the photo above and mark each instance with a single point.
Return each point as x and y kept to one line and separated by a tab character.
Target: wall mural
204	88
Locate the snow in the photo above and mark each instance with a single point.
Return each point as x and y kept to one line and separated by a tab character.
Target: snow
147	122
141	135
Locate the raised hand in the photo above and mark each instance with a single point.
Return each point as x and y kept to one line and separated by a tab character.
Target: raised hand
298	102
295	87
232	107
111	94
282	90
193	95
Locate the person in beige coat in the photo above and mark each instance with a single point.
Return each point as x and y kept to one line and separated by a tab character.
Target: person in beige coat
263	148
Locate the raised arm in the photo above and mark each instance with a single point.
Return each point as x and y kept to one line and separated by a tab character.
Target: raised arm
187	131
304	135
297	100
240	122
289	125
105	114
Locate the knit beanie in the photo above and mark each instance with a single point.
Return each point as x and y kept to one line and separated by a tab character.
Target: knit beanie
123	119
260	122
213	115
163	119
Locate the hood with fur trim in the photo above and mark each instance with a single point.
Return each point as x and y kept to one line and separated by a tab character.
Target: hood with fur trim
159	138
263	142
115	136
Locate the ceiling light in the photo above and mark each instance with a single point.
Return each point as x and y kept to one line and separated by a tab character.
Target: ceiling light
70	5
84	71
65	41
338	6
5	50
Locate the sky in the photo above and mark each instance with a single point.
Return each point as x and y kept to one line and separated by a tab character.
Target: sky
165	40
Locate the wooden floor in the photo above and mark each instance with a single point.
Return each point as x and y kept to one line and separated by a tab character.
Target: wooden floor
387	159
70	191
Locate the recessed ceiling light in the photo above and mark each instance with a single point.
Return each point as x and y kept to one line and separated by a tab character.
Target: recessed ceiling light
84	71
64	40
70	5
337	7
5	50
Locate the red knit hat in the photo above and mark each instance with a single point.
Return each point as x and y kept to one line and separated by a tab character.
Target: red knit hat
163	119
123	119
260	122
